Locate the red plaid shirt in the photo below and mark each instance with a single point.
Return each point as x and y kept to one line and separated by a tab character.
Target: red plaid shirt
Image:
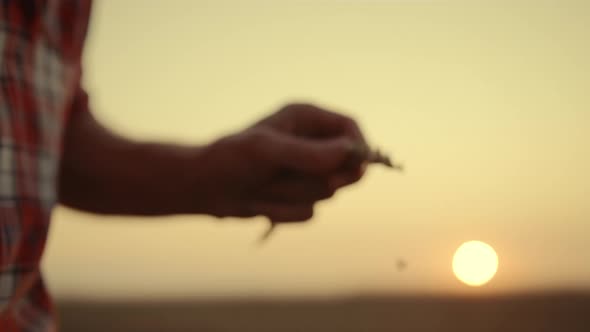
41	43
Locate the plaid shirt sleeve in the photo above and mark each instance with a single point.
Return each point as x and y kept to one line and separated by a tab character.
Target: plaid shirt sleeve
41	43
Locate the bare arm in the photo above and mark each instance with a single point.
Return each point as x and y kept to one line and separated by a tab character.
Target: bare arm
104	173
279	168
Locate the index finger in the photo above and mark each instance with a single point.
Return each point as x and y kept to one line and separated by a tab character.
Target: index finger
306	155
316	122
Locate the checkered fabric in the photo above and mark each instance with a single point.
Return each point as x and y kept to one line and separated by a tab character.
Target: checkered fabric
41	42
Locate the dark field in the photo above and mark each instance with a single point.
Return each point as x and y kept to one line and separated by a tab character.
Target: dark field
522	313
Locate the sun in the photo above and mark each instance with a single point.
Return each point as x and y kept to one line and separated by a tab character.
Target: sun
475	263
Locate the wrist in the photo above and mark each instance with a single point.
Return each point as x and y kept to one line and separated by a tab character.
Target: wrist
198	181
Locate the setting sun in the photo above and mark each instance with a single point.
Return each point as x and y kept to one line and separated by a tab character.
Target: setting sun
475	263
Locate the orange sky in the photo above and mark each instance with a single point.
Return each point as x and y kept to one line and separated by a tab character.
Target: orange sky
486	104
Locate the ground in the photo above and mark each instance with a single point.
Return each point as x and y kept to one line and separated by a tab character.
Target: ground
522	313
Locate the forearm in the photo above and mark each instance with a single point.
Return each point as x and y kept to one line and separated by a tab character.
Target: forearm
104	173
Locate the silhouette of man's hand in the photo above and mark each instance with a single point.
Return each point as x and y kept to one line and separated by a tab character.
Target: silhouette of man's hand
281	166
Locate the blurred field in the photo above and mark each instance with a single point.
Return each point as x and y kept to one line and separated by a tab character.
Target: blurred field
522	313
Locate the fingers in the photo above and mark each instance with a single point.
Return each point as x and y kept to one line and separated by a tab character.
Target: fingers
282	212
346	177
306	155
315	122
310	139
298	190
312	121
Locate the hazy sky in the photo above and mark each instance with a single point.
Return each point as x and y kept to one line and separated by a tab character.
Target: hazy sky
486	102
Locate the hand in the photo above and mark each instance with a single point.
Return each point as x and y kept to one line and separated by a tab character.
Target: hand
281	166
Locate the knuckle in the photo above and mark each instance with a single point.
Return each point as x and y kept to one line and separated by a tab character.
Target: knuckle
298	108
271	216
246	211
293	215
326	191
329	193
279	217
349	121
307	213
256	136
286	108
350	124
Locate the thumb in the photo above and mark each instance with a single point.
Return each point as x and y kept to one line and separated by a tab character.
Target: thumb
314	156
